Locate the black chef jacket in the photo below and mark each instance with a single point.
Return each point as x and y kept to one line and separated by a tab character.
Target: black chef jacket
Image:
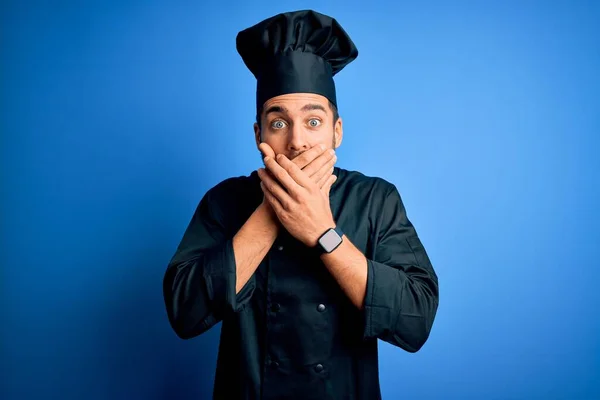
291	332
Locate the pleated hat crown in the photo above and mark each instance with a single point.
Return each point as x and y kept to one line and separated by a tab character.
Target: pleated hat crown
295	52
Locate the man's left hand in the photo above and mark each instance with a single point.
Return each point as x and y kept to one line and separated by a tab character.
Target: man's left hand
301	206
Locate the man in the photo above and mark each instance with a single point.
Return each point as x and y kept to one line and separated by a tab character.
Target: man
306	264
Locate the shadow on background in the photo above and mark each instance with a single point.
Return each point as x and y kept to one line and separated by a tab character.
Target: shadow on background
141	356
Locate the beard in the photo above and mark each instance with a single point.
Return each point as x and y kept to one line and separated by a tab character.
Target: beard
294	155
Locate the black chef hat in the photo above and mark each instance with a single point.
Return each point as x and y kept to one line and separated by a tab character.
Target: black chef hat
295	52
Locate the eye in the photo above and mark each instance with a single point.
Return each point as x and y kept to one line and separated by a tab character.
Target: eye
313	122
278	124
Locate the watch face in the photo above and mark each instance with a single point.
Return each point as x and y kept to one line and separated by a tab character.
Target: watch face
330	240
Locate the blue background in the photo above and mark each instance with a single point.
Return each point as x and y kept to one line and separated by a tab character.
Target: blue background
118	116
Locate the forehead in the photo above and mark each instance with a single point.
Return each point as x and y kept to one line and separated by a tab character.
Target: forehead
295	102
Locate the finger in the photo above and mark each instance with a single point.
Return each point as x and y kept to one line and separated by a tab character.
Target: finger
293	178
308	156
273	201
314	167
274	187
266	150
281	173
323	177
321	181
325	170
327	187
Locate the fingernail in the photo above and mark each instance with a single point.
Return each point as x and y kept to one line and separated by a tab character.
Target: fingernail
267	158
322	146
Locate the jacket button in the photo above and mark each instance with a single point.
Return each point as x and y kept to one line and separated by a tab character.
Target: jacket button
275	307
280	248
321	307
319	367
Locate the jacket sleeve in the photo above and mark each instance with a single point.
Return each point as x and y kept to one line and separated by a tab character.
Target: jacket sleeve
401	299
199	283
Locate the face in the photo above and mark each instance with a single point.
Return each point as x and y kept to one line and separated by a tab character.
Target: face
293	123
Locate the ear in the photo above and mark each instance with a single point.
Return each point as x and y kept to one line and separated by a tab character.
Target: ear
338	132
257	134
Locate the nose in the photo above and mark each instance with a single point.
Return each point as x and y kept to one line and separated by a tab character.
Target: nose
297	139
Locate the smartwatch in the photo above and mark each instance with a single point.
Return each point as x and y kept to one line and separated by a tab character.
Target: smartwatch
329	241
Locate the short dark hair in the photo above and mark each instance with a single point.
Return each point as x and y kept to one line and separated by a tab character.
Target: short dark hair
332	107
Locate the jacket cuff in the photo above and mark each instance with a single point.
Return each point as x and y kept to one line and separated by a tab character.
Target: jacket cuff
220	277
383	284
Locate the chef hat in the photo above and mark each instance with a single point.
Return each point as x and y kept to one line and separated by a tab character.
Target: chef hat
295	52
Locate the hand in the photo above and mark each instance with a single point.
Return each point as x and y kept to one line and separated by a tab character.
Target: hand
316	162
300	204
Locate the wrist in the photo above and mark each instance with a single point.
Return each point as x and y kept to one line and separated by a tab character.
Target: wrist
269	215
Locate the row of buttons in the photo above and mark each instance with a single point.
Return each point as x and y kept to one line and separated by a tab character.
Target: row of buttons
275	307
275	364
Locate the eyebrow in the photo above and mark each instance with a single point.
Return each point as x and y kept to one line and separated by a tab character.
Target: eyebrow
313	106
276	109
307	107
